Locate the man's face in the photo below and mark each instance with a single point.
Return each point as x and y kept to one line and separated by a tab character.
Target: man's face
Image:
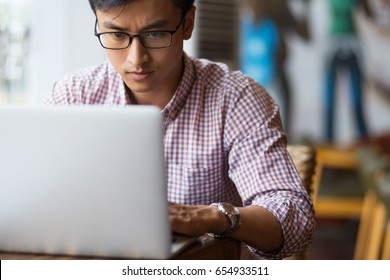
148	73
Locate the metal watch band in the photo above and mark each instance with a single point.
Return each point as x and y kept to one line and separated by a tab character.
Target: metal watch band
232	215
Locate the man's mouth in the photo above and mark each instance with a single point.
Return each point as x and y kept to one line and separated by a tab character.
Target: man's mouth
140	75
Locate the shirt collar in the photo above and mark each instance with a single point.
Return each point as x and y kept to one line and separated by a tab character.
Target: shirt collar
183	90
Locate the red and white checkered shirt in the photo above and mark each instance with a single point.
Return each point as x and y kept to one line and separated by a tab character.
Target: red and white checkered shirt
223	142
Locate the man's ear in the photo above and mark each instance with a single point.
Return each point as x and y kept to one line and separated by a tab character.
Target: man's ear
189	23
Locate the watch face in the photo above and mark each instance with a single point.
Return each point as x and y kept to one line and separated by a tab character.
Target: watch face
230	208
232	215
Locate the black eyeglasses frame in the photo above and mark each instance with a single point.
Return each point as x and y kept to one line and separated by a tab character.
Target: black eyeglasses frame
139	35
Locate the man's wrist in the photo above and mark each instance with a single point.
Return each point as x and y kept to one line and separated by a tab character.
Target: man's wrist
232	216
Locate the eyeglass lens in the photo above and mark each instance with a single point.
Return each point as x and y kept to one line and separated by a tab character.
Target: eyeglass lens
117	40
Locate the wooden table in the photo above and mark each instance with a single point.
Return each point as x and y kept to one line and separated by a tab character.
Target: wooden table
205	248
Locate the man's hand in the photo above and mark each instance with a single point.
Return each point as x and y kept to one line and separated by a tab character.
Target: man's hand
259	227
196	220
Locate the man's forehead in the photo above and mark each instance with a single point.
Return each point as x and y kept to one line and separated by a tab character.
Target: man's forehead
133	20
141	6
148	9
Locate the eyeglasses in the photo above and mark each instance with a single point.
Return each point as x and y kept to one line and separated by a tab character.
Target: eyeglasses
155	39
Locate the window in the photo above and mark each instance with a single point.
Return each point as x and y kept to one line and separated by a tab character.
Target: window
14	41
217	30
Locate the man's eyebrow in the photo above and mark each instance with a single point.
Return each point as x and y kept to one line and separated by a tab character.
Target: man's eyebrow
111	25
156	24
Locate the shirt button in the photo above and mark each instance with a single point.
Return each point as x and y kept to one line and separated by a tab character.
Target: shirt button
173	114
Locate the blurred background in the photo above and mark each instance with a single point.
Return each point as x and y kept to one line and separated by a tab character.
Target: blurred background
326	62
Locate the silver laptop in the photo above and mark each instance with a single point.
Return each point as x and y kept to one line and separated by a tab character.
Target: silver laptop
86	181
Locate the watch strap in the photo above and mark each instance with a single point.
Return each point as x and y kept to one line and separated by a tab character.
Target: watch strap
231	214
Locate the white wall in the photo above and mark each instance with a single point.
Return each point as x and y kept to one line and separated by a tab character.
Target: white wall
62	41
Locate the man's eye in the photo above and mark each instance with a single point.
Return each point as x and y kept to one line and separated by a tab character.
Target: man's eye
154	34
119	35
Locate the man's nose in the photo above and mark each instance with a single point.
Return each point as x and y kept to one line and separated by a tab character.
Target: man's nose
137	53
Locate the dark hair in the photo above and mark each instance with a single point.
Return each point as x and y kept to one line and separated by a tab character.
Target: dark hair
107	5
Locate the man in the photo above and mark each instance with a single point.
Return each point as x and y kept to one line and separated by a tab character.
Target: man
223	138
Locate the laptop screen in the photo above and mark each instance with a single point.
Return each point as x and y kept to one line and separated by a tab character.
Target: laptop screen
83	181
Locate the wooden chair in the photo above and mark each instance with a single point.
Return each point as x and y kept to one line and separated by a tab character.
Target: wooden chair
304	158
384	195
305	161
371	228
373	239
386	239
337	203
368	205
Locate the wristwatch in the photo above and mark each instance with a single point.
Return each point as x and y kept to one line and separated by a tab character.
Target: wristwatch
232	215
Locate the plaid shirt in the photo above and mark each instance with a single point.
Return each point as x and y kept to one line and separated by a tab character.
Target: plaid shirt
223	142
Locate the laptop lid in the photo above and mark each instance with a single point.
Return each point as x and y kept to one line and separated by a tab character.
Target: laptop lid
83	181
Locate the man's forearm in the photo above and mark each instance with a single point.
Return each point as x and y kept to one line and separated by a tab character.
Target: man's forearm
259	229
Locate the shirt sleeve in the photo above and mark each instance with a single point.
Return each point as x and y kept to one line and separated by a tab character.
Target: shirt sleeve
262	169
100	85
59	94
